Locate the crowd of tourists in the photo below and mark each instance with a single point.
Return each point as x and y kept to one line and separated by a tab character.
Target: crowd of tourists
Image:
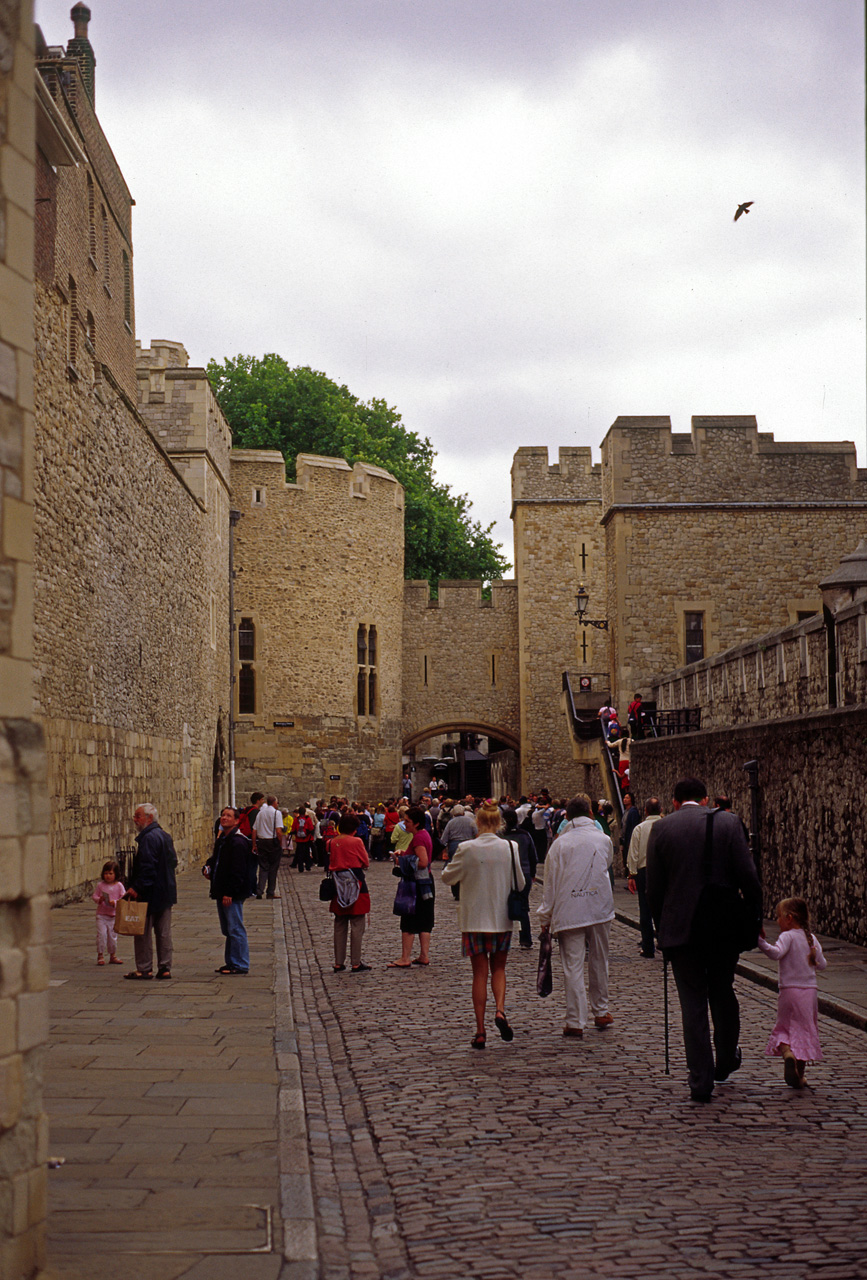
699	897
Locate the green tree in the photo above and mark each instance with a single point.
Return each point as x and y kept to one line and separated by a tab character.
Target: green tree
269	405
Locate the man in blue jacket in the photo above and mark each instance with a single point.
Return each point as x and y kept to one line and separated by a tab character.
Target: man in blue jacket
153	880
228	870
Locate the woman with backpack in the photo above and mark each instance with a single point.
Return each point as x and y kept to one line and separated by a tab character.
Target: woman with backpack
347	861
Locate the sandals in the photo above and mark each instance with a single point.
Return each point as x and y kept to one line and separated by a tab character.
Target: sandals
395	964
338	968
424	962
478	1040
114	960
224	969
360	968
164	972
137	976
99	960
506	1032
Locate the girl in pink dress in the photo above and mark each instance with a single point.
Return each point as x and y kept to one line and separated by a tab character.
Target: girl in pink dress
795	1037
106	895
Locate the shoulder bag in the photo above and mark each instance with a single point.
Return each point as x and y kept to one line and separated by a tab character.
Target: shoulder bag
516	906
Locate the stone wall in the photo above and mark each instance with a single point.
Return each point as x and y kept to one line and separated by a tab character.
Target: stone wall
24	928
724	522
813	821
559	544
315	561
460	661
131	634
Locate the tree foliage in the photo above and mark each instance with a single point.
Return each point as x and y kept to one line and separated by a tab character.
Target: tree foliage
269	405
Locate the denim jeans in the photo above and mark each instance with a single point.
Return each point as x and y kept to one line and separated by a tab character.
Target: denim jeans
237	951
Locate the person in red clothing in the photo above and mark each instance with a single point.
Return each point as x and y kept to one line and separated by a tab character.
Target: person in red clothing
304	829
348	861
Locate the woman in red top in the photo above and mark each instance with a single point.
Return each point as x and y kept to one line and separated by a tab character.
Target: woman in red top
347	853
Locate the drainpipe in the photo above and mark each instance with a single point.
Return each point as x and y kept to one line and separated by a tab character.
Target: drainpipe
234	517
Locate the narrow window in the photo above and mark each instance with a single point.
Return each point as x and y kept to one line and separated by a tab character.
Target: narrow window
258	498
493	668
371	647
247	641
247	690
583	556
585	647
362	691
694	647
371	693
425	670
361	646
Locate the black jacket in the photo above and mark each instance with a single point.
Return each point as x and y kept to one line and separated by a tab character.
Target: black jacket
153	869
228	865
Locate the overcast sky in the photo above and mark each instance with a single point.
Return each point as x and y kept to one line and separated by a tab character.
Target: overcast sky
511	219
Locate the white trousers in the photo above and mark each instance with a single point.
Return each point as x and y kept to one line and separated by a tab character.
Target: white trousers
573	942
106	938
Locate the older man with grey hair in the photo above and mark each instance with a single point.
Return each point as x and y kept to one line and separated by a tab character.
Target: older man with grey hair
578	907
153	880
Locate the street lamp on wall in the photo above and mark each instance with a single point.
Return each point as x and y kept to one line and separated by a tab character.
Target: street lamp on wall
581	601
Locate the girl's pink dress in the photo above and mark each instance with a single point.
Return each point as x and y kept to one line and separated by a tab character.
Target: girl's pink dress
798	1003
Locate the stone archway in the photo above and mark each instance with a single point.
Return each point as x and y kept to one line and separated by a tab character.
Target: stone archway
496	773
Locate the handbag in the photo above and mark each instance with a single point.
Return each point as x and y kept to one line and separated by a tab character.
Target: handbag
129	917
327	889
544	978
515	905
723	919
405	899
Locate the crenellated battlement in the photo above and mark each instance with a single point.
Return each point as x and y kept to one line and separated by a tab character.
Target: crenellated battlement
460	595
723	458
332	479
181	410
573	477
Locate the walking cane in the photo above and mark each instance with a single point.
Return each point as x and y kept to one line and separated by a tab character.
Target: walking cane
665	1009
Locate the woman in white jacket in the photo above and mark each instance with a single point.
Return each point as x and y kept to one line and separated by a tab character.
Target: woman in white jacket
484	870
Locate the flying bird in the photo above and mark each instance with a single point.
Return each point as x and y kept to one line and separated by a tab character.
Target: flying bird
743	208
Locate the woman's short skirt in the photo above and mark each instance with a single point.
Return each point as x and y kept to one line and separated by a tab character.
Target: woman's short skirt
485	944
797	1024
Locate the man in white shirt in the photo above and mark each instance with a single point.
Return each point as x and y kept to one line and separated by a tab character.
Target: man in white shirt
578	907
268	840
636	866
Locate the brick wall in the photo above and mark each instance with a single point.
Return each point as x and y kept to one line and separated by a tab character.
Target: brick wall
83	232
315	560
24	930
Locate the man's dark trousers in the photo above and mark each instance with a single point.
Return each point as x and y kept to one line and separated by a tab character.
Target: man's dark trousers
706	977
645	919
268	852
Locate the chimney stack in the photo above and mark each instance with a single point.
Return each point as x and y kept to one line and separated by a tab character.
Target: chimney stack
81	48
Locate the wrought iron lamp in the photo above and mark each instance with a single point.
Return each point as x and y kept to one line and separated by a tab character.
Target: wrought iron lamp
581	601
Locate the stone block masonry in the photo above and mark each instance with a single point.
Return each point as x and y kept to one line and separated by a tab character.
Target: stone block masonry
131	631
320	574
813	822
24	931
460	661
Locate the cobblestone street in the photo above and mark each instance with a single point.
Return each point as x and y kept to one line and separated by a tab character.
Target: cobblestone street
558	1157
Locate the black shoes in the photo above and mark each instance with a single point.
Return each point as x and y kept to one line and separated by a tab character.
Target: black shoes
723	1073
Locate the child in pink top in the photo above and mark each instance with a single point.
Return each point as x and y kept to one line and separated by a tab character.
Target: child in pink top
795	1037
106	895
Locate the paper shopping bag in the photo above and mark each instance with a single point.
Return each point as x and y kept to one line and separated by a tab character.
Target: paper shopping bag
129	917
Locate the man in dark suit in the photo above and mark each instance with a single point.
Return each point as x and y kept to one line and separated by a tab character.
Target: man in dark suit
698	940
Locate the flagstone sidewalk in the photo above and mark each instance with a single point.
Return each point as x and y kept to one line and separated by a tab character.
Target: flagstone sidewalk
169	1102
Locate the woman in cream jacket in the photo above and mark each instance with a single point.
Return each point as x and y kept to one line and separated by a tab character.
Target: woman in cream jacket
484	870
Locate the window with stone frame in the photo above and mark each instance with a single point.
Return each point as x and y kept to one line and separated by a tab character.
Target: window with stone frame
247	671
367	656
694	637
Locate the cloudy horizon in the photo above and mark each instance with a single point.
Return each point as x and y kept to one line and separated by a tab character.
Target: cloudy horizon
513	222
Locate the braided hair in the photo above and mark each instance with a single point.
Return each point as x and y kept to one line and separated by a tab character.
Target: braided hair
800	913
